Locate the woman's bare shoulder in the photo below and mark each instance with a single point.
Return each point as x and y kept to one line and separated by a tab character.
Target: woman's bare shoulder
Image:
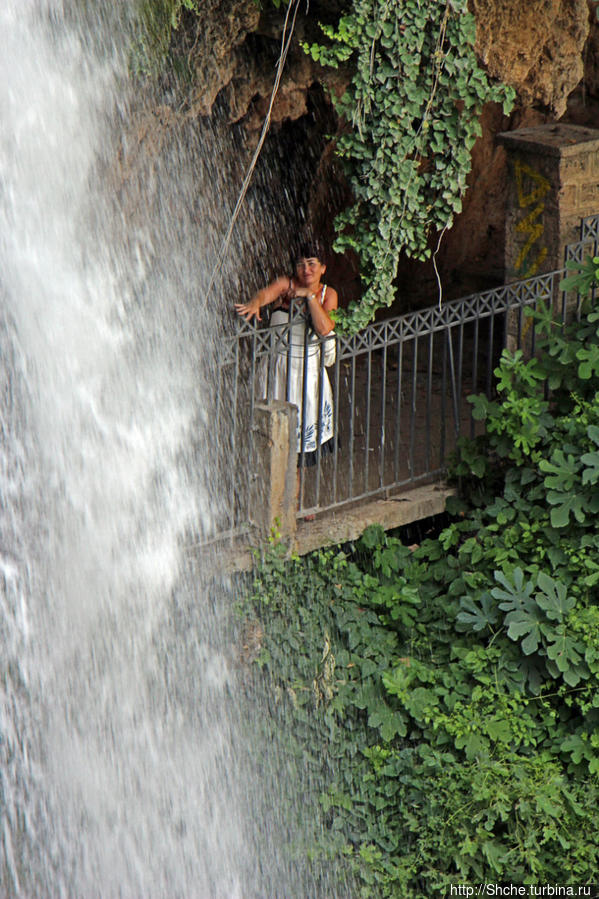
331	298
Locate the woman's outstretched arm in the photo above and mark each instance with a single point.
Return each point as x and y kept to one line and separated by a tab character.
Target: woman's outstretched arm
264	297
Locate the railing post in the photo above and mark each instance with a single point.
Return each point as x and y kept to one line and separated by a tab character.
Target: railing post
273	496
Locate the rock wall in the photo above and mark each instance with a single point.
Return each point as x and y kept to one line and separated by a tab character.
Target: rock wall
536	46
548	50
234	57
217	32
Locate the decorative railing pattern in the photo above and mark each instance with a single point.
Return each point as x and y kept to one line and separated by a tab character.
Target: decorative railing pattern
399	390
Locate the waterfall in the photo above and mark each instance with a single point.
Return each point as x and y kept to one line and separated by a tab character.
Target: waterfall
121	772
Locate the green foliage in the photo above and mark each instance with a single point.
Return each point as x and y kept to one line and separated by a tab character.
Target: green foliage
523	420
157	21
413	106
452	692
586	277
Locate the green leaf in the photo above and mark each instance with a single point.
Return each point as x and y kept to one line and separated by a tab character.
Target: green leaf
563	650
389	723
524	617
553	599
421	700
563	471
531	642
495	855
478	615
472	743
516	593
397	681
576	747
499	729
481	406
374	535
590	474
566	504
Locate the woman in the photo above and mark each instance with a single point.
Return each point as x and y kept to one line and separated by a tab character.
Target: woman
313	301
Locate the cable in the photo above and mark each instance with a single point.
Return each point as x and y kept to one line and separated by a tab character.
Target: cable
285	44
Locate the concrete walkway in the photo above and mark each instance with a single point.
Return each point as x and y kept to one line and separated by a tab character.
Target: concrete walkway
342	525
347	524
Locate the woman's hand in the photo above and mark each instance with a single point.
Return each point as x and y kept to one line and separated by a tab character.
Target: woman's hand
302	292
249	310
321	320
265	296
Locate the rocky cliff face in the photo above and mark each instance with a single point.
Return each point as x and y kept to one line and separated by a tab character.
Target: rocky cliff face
219	32
234	54
548	50
536	46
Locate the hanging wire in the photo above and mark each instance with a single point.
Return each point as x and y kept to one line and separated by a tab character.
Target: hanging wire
285	44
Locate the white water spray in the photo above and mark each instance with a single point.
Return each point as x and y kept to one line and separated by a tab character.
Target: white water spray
118	761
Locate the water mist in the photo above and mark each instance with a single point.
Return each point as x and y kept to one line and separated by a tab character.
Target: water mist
121	773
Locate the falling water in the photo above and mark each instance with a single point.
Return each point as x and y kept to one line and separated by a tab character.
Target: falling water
121	772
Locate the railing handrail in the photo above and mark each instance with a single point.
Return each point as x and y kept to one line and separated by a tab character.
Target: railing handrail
418	366
443	315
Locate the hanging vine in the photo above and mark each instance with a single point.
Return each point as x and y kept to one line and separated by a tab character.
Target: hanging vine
412	115
410	118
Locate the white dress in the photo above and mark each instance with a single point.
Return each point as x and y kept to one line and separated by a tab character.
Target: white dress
287	378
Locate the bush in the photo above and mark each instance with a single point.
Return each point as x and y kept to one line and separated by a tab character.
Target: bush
452	691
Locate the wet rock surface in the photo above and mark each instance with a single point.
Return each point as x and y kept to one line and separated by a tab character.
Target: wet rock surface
235	53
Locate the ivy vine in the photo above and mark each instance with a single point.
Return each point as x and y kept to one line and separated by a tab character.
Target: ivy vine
410	118
413	105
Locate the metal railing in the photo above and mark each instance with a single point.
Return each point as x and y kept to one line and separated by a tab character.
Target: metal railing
399	390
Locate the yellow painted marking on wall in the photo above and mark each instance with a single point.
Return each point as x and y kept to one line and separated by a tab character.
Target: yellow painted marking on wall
540	188
528	225
537	263
526	328
531	188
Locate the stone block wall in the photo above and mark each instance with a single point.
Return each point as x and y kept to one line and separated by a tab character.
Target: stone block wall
553	183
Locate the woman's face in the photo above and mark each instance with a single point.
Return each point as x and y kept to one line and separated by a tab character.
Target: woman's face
309	271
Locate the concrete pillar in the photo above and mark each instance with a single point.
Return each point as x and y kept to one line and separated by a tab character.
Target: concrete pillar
273	496
553	182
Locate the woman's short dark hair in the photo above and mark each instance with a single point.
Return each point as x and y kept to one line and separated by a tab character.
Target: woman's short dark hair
308	249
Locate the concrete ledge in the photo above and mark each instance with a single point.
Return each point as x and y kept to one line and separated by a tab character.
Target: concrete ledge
342	525
347	524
